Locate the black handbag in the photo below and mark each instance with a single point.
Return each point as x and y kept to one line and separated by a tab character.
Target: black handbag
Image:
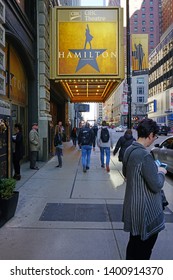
164	200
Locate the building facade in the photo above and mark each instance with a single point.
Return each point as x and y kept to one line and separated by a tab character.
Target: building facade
19	92
167	14
160	101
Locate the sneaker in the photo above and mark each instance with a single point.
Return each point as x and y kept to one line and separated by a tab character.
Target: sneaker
103	166
84	169
107	168
87	167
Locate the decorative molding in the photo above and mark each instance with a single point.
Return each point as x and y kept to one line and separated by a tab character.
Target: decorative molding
2	60
2	12
2	84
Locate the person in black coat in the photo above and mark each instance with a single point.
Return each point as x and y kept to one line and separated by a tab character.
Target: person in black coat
124	141
74	135
17	139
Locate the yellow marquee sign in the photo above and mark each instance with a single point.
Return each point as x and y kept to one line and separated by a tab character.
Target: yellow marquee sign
87	42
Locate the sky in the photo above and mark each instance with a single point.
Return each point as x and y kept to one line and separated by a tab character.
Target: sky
133	4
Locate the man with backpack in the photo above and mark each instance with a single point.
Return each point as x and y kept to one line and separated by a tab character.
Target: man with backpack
104	142
86	141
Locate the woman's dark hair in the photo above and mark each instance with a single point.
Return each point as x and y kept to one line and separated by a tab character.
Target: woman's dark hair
19	126
128	131
147	126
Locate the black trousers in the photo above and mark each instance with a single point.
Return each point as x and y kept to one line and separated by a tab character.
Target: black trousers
16	164
138	249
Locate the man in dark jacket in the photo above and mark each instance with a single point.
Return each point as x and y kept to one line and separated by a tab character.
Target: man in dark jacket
86	139
124	141
17	139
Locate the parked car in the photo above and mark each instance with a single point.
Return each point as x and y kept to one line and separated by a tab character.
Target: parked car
164	152
163	129
119	128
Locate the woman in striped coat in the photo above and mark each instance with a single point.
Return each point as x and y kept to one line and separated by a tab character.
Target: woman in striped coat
143	214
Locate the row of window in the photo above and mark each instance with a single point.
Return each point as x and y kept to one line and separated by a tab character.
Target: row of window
151	2
160	87
143	29
143	15
143	22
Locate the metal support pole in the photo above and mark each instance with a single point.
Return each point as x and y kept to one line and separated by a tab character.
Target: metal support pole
129	94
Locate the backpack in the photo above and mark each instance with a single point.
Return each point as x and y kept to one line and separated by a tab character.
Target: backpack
104	136
86	137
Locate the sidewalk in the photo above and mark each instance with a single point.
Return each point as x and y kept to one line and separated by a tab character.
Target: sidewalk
64	213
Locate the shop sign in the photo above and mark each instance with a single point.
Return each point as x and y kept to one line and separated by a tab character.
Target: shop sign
87	42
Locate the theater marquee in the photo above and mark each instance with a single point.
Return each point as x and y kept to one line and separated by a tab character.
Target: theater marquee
87	42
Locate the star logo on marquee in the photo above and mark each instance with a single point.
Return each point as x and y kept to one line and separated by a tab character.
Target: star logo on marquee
87	55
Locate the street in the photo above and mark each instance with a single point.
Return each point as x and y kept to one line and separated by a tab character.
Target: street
117	135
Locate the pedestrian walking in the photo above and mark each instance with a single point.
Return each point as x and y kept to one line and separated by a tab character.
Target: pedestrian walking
123	142
17	139
58	145
143	213
104	142
95	129
86	141
34	143
74	135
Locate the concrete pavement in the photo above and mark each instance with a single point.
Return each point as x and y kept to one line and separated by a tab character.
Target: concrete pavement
64	213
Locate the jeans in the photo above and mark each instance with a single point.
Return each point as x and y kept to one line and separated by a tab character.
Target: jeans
59	155
105	150
86	154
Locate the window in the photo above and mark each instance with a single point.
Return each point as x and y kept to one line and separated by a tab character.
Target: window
168	143
143	29
151	22
143	9
151	35
151	2
135	29
140	81
140	99
151	16
151	43
135	22
151	28
135	15
151	9
143	22
140	90
143	15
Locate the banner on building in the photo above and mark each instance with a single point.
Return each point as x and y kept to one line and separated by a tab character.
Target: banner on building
139	54
87	42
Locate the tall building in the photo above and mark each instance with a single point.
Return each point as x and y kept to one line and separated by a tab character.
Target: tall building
160	101
115	3
147	20
167	14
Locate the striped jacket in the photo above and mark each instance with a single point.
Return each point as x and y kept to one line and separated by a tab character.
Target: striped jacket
142	209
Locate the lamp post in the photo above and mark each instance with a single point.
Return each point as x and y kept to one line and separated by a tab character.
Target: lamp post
129	93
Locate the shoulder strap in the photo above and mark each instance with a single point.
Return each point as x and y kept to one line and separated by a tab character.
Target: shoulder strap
130	155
